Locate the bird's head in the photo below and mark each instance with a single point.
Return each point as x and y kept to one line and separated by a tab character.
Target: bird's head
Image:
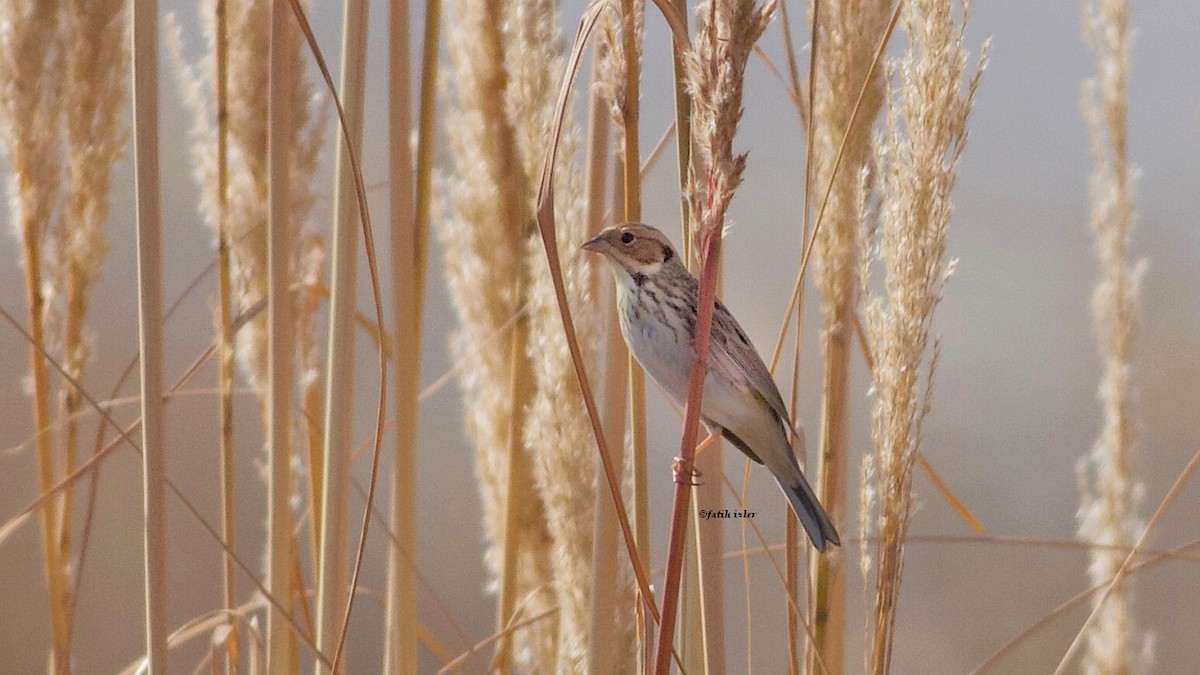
635	251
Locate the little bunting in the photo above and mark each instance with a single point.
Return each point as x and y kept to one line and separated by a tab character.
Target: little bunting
657	301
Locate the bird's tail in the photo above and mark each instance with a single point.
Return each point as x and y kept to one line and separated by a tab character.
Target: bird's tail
816	522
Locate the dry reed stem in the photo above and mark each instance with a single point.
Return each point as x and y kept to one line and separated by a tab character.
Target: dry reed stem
915	160
716	65
29	114
360	194
409	250
793	542
231	165
332	576
230	152
227	345
620	80
144	35
546	228
613	596
311	263
704	599
632	21
606	606
849	30
280	367
125	437
1110	493
519	468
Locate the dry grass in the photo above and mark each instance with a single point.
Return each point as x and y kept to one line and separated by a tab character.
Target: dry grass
332	573
231	133
62	134
150	330
1109	503
29	114
558	544
915	158
849	35
485	236
280	329
715	67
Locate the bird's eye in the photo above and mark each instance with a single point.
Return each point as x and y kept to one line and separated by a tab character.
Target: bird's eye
627	238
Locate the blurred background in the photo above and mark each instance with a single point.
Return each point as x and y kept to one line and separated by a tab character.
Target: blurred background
1014	404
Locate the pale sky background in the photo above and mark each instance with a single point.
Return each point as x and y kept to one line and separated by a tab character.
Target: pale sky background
1014	402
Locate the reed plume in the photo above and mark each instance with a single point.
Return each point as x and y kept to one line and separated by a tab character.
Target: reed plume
486	236
244	224
227	98
93	98
30	108
557	433
246	198
848	34
1110	493
915	157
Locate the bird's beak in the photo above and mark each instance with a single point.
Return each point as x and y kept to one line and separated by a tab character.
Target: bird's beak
597	245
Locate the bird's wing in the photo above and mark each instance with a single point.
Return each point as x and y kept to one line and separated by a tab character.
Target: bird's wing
730	342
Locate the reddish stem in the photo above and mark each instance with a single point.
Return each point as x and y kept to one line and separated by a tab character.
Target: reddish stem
710	254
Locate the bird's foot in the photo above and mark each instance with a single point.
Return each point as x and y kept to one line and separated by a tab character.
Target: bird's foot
686	473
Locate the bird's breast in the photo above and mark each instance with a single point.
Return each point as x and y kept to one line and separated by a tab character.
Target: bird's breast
657	340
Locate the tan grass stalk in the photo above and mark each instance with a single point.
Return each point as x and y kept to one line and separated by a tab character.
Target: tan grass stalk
29	109
624	37
603	622
520	389
227	346
621	43
704	586
125	437
617	77
347	126
545	218
849	34
230	152
716	64
144	35
485	239
410	227
332	574
702	632
915	163
245	213
311	262
1110	493
794	543
280	367
632	19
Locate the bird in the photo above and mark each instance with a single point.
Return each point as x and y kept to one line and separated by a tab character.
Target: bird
658	307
